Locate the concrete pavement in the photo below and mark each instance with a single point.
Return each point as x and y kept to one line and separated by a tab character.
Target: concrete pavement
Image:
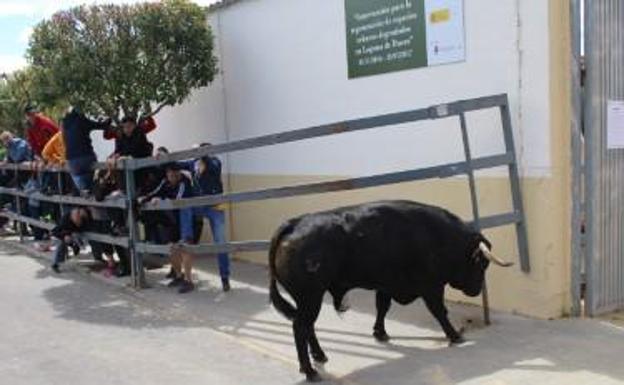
72	329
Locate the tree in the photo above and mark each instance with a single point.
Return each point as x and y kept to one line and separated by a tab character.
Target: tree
20	89
125	60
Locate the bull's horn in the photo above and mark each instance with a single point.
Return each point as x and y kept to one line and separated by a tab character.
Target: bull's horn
489	255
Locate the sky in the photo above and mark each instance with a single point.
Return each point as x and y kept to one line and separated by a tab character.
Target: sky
18	17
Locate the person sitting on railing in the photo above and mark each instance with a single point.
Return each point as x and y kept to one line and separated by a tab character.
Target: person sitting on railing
77	220
41	129
146	125
79	150
207	181
174	186
53	153
130	142
18	151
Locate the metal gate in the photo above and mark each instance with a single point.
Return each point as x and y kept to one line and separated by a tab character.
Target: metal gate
604	167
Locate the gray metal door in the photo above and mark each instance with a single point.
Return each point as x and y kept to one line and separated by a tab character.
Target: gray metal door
604	168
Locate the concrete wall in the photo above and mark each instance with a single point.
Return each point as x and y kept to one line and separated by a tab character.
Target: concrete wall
284	67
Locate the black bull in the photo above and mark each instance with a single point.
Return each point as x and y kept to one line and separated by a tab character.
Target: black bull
403	250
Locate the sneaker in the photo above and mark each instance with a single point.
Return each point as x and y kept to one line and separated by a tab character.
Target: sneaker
186	287
55	268
122	272
225	282
76	249
176	282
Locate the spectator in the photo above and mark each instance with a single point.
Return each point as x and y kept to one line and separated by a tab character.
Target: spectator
79	149
175	186
66	232
146	125
41	129
207	181
18	150
132	142
54	151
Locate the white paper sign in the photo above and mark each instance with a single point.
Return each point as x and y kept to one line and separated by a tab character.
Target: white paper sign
615	124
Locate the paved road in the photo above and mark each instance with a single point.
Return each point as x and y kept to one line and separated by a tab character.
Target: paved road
73	329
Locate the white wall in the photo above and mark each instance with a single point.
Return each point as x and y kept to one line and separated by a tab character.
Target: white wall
284	67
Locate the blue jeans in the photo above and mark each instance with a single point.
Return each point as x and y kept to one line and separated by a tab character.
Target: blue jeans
81	172
60	255
217	225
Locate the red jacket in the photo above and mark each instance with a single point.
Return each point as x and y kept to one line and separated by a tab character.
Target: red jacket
146	125
40	133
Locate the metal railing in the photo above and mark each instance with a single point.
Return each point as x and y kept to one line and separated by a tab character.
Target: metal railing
467	167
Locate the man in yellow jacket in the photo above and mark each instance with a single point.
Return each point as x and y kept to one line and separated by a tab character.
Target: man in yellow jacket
54	151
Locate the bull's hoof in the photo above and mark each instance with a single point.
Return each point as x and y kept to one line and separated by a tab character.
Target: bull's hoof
381	336
457	341
311	375
320	358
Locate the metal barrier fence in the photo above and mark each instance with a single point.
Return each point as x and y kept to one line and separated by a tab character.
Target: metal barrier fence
467	167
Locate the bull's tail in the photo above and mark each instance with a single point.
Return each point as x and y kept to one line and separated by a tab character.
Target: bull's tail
279	302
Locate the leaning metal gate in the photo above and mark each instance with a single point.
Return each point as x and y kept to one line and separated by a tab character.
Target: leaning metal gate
604	166
468	167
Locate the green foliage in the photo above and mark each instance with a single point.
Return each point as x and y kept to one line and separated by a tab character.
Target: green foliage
22	88
117	60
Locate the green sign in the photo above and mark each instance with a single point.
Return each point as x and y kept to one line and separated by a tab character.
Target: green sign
393	35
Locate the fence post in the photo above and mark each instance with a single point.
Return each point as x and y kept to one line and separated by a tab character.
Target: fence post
138	275
18	205
475	205
60	184
516	196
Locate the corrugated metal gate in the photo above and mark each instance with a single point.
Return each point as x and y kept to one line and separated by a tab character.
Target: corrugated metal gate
604	168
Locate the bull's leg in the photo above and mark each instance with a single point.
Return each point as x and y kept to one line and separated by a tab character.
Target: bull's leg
302	328
338	295
315	348
435	304
382	302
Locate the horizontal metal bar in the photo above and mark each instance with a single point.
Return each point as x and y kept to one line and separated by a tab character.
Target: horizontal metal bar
30	221
333	186
487	222
65	199
231	247
499	220
434	112
26	166
108	239
103	238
